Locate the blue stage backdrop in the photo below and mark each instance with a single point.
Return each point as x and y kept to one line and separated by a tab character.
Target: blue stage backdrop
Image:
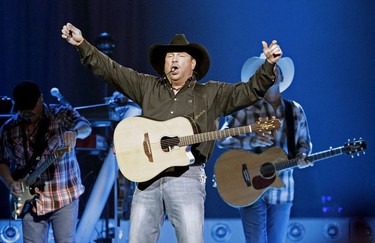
331	43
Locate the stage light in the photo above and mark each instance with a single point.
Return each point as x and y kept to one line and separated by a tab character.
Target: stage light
10	234
296	232
221	232
332	231
105	43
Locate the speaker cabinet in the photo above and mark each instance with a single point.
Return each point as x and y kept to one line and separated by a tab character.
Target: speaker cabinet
338	230
11	231
228	230
215	230
362	230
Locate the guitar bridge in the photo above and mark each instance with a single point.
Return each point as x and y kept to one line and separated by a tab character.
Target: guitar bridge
246	176
147	147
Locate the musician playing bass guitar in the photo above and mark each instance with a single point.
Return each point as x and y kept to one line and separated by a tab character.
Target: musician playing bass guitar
39	166
266	219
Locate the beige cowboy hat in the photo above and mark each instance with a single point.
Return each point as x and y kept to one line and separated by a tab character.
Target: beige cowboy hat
179	43
286	66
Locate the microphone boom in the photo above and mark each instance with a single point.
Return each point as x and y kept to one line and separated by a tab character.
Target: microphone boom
60	98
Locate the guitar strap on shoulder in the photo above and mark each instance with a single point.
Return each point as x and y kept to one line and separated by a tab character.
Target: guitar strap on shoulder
200	117
41	143
39	146
200	107
289	118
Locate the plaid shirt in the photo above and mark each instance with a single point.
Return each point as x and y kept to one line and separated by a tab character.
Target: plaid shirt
263	109
61	181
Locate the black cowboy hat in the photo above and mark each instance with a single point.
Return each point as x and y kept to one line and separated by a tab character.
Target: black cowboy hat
179	43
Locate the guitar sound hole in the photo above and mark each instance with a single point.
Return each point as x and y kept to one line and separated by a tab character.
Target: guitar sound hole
169	143
267	170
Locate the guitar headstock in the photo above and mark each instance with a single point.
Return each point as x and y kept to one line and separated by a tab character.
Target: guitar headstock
355	147
61	151
266	125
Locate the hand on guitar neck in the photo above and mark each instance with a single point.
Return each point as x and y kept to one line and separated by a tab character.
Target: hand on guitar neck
304	162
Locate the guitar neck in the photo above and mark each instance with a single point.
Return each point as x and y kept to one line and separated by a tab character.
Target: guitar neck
36	173
283	165
208	136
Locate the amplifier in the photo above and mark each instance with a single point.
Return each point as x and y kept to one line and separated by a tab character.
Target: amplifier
92	142
6	105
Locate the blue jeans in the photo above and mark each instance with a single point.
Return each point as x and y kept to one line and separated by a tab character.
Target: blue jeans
64	222
265	223
179	196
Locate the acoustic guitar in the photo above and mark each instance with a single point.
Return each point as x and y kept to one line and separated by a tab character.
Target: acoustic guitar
144	148
242	177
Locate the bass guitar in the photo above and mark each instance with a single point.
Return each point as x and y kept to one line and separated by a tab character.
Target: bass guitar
242	177
144	148
20	205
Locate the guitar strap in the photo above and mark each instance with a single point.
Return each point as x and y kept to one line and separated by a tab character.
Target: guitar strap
200	106
200	117
289	118
38	148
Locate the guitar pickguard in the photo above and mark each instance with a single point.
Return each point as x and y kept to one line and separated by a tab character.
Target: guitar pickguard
260	183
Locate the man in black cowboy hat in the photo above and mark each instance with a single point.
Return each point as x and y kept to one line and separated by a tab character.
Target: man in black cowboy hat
178	192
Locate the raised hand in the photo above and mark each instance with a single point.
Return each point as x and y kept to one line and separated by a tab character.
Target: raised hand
72	34
272	52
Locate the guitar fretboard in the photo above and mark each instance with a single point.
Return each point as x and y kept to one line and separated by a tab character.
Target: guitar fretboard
36	173
32	177
283	165
208	136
